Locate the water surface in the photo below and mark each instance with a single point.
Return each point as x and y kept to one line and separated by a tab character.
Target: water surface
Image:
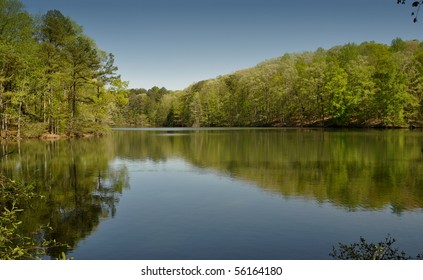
225	193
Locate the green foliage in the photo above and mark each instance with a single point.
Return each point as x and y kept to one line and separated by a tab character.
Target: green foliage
52	73
366	85
14	244
363	250
143	107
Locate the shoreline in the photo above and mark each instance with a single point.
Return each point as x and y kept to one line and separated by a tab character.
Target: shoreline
56	137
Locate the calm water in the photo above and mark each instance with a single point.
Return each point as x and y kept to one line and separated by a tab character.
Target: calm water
224	193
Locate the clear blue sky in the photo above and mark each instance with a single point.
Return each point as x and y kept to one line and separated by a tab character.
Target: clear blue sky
173	43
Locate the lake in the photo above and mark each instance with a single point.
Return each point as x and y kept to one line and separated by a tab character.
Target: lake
224	193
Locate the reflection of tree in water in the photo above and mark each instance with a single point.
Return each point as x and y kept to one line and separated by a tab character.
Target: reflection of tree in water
367	170
72	224
78	183
108	189
350	169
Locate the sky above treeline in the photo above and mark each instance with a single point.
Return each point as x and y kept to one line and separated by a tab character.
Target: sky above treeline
174	43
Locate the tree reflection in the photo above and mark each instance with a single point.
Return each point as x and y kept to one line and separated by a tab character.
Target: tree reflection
79	186
350	169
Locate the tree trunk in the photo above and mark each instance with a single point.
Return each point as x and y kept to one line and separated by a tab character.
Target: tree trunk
18	135
6	130
73	100
1	110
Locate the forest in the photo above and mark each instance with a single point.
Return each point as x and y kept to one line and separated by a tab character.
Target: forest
54	80
365	85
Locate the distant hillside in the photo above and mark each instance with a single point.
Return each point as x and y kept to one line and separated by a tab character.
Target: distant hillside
366	85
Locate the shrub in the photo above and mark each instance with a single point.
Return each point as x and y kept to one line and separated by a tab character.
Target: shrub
14	244
369	251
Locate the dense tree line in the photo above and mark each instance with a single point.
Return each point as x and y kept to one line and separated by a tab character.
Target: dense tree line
147	107
366	85
53	78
